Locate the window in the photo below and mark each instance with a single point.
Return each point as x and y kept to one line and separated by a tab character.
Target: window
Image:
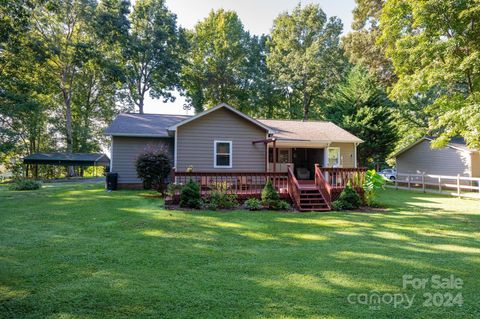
283	155
223	154
334	156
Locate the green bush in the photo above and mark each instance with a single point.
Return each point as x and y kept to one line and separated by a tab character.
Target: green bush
190	195
173	189
270	196
283	205
211	206
219	199
348	199
253	204
153	167
338	205
24	185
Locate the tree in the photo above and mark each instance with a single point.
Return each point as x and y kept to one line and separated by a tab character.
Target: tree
62	36
153	167
59	76
435	51
305	56
152	52
361	106
23	84
219	66
361	45
264	92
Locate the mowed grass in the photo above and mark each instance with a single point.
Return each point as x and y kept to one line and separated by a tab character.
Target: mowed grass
76	251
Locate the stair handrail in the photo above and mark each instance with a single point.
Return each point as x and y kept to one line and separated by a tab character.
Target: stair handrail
293	187
323	186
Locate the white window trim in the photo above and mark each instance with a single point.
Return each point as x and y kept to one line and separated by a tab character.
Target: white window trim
215	142
339	163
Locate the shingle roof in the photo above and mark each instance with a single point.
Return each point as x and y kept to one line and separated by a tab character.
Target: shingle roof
455	142
129	124
67	158
156	125
310	131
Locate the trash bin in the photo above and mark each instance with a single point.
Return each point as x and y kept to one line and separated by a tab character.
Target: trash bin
112	181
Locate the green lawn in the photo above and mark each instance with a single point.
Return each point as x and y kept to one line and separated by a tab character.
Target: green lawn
76	251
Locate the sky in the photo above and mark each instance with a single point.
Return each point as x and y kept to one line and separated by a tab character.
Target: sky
257	17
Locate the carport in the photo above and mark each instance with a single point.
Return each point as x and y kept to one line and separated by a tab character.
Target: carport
65	159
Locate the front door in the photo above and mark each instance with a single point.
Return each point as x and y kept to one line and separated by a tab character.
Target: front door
304	160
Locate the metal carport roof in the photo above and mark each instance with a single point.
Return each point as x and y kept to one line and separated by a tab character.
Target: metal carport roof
74	159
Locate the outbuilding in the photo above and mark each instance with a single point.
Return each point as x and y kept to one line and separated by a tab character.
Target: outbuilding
452	160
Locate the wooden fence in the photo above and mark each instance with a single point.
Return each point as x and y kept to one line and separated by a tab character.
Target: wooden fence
452	185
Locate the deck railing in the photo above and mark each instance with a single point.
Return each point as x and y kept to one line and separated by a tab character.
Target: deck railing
339	177
329	181
240	183
293	187
323	185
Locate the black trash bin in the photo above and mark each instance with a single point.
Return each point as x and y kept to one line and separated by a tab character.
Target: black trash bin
112	181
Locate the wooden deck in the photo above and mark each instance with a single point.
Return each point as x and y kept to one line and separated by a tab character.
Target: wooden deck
306	195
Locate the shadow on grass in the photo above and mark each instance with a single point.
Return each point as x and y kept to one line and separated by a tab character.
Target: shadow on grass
84	252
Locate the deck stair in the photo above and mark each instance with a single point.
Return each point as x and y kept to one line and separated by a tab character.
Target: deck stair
311	199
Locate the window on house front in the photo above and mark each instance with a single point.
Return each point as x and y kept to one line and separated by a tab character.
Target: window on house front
283	155
334	156
223	154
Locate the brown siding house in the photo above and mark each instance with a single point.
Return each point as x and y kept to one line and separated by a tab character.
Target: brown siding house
124	153
222	139
195	143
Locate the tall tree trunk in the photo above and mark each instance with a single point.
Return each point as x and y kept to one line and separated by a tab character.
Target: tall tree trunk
140	104
69	133
67	101
306	106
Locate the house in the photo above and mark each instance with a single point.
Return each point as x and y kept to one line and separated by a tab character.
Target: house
223	142
454	159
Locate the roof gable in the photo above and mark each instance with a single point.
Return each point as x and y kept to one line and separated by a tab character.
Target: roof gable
457	144
217	107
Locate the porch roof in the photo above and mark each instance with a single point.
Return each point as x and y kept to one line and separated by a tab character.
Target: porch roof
310	131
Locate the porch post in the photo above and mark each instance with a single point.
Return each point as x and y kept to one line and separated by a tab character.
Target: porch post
356	161
274	155
266	157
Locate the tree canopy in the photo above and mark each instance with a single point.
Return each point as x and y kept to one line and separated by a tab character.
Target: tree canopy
407	69
305	56
219	62
435	51
361	106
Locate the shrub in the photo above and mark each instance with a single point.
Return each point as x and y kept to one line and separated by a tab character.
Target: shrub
373	182
337	205
270	196
190	195
348	199
253	204
173	188
283	205
25	185
153	167
220	199
211	206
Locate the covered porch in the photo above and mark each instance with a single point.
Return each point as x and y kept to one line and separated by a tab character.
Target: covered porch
302	156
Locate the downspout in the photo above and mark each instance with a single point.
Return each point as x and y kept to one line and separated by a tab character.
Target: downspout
175	149
325	155
111	155
355	163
